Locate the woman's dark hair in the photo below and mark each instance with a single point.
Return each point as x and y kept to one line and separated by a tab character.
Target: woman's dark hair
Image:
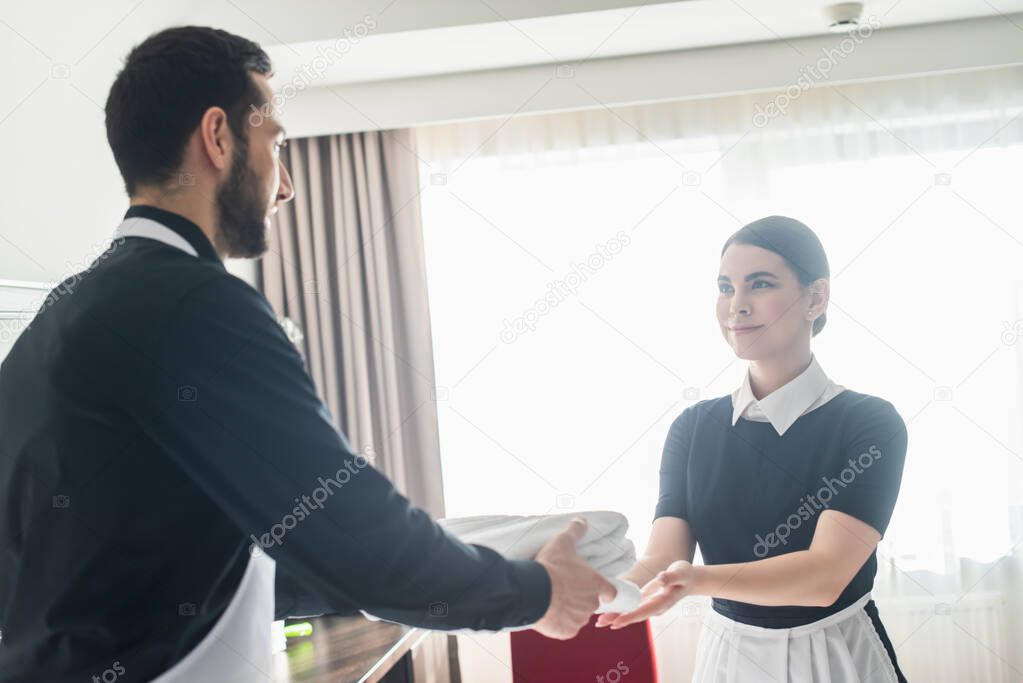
167	84
794	242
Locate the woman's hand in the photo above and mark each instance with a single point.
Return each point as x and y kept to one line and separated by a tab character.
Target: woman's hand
663	591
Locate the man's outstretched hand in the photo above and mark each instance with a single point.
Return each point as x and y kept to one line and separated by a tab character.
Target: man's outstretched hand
576	588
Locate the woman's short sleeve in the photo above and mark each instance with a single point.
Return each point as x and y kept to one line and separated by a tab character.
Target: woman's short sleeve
674	462
866	482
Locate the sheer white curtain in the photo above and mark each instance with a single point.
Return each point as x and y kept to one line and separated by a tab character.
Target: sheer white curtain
571	262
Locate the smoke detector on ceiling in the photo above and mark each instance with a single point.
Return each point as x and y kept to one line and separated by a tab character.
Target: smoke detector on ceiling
843	16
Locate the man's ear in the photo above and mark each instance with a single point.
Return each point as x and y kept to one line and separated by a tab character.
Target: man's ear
216	138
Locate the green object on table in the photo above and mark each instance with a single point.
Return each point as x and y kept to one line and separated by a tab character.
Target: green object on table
298	630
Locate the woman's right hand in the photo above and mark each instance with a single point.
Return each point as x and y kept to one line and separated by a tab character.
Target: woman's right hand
639	575
659	594
671	540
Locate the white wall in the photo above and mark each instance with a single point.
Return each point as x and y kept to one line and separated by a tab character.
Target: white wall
63	194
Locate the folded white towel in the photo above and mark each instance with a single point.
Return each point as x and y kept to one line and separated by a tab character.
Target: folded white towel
603	546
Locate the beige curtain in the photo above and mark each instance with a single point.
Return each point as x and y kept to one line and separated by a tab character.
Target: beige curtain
346	266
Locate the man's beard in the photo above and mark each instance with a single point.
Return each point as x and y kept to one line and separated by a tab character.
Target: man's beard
241	214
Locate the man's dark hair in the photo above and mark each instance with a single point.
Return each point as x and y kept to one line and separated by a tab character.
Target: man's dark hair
167	84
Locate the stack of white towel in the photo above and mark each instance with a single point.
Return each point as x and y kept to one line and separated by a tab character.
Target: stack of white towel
604	545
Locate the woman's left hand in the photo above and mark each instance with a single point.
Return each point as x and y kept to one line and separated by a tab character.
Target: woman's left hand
663	591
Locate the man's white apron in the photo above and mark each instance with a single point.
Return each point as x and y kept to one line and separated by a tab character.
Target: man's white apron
238	647
841	648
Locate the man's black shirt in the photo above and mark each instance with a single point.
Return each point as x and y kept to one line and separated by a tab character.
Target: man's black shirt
155	420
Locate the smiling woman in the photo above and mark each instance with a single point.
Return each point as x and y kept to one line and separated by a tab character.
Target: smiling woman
796	606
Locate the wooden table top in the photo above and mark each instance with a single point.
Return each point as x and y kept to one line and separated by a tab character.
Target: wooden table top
345	650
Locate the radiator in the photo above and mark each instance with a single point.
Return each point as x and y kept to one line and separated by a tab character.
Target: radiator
941	639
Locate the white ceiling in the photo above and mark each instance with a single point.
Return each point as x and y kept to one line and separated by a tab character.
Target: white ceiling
489	34
413	38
